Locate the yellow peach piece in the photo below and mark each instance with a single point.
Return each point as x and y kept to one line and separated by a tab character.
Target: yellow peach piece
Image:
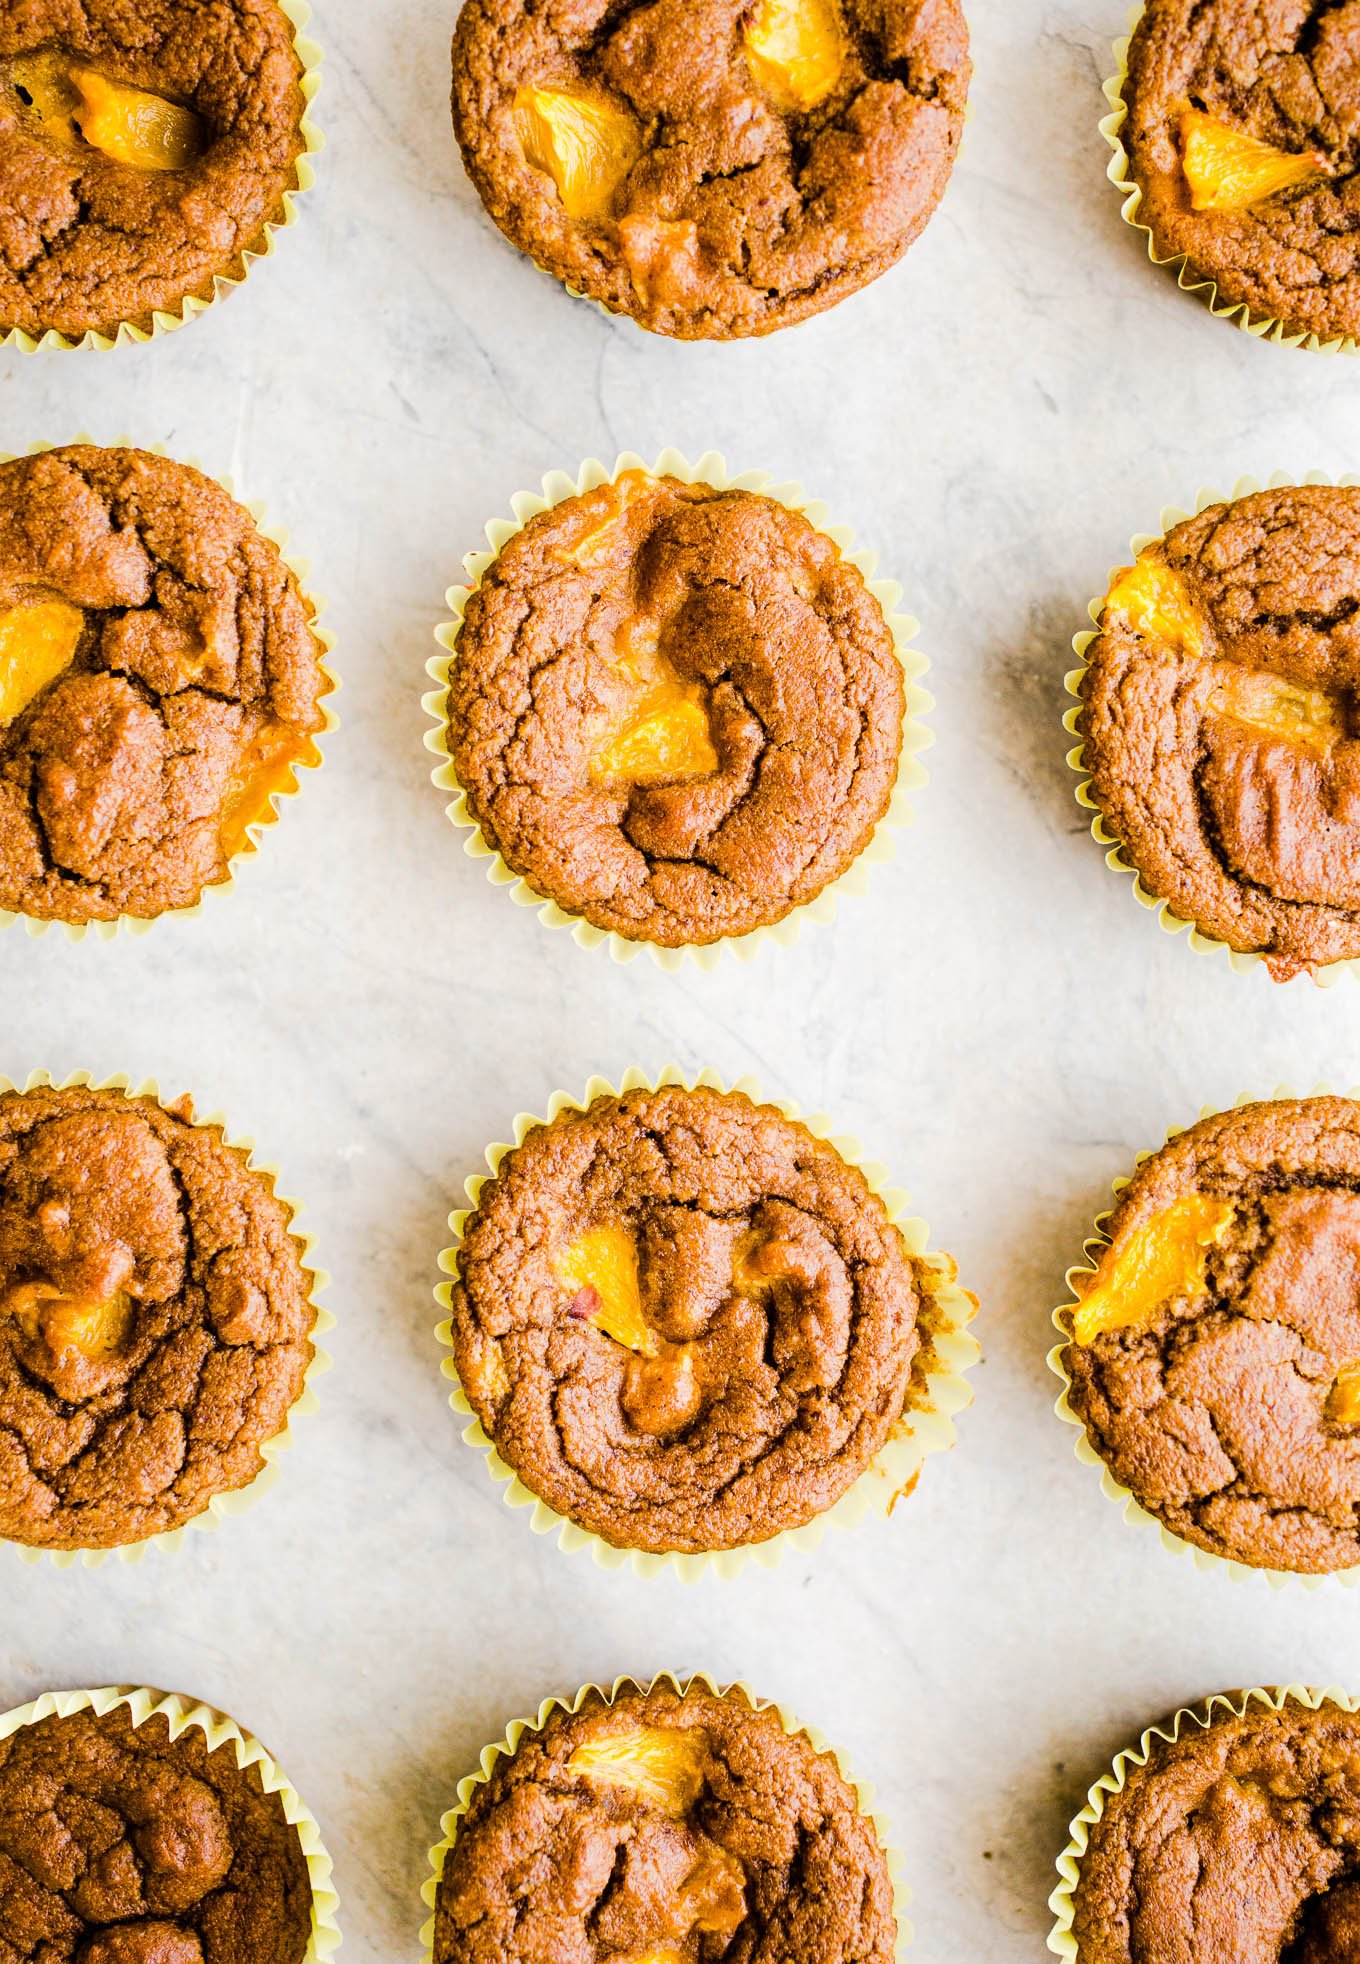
662	1765
1266	702
795	50
1160	1261
587	144
265	771
1154	602
1227	170
662	257
37	641
604	1264
665	741
606	509
1343	1400
96	1328
133	126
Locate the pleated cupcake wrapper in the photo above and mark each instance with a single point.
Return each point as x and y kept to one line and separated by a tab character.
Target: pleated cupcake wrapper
219	1730
1172	923
711	469
681	1683
1134	1512
166	320
135	924
1223	1704
223	1506
927	1426
1265	327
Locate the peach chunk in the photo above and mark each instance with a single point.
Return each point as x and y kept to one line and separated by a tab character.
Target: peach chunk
661	1765
1163	1259
1227	170
662	257
135	127
96	1327
1343	1400
601	1270
264	770
666	740
795	50
587	144
1155	603
1266	702
37	642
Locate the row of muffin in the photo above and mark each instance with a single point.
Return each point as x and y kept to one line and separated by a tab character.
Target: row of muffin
711	170
684	1323
676	711
662	1824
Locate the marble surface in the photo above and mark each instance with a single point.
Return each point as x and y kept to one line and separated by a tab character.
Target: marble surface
997	1019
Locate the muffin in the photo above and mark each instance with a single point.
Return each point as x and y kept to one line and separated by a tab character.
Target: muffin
1236	1841
713	168
144	153
675	711
1240	137
1218	721
155	1328
664	1826
160	683
686	1322
128	1843
1214	1354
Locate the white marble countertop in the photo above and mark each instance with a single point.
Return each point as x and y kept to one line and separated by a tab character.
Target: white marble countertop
997	1018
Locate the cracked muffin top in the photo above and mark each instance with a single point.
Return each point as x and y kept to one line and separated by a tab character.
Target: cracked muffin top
1236	1844
144	149
675	711
121	1845
685	1322
160	683
711	167
1243	134
155	1327
1215	1353
1219	722
665	1829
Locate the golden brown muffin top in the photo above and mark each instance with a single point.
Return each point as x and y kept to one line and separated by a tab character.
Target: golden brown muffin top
677	1829
145	146
1239	1844
711	167
1244	135
1215	1358
121	1845
155	1327
676	711
1219	722
686	1322
160	681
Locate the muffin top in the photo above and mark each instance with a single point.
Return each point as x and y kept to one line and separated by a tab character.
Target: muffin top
1239	1844
1215	1354
143	150
154	1317
676	711
685	1322
159	683
711	167
665	1827
1219	722
1243	134
121	1845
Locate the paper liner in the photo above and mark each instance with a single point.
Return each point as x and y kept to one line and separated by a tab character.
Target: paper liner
1134	1512
1265	327
1061	1940
1325	974
680	1683
222	1506
166	320
219	1730
134	924
711	469
939	1386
